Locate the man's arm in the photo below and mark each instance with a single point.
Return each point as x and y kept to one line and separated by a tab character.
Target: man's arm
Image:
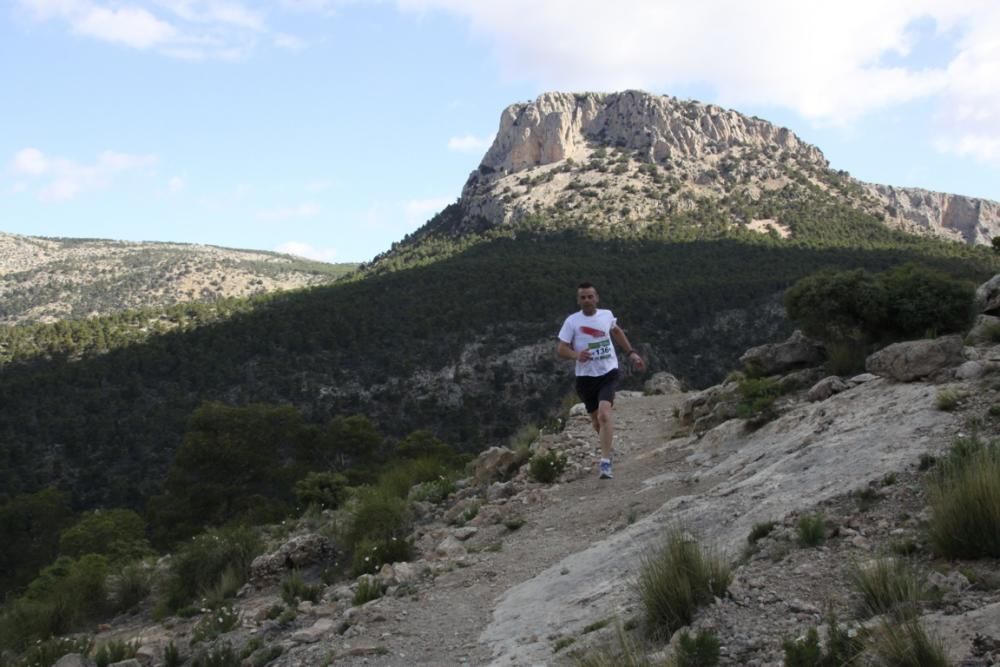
622	341
566	352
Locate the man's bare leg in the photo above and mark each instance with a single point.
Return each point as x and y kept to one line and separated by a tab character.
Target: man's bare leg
604	424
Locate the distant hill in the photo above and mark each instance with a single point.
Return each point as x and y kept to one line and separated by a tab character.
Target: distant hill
49	279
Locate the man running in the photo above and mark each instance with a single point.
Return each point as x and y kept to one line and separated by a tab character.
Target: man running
586	338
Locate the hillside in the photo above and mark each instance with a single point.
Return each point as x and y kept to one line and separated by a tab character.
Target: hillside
541	574
47	279
452	331
632	162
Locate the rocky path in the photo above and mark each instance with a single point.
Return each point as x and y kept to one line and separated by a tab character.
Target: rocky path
444	624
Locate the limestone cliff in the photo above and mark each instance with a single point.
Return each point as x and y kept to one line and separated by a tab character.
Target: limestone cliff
632	158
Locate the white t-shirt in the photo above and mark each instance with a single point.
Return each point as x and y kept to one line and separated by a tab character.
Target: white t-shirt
594	333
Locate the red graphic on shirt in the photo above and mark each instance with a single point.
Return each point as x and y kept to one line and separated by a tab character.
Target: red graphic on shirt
590	331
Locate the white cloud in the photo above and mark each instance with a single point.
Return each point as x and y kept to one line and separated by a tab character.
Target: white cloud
183	29
469	143
320	186
830	62
289	42
309	252
418	211
29	161
59	178
131	26
176	184
293	212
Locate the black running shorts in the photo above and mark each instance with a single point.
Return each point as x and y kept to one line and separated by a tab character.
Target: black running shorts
594	389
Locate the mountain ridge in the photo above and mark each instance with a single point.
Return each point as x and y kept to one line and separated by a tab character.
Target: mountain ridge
47	279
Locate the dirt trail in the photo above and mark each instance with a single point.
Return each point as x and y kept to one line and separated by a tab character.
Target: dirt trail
443	625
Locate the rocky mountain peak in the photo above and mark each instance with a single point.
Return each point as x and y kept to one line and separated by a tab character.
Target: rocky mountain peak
630	159
557	126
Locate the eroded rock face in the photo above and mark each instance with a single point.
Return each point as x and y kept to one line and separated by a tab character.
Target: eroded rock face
915	359
966	219
560	125
662	383
299	552
988	296
773	358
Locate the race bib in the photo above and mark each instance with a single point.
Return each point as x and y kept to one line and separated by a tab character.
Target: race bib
600	349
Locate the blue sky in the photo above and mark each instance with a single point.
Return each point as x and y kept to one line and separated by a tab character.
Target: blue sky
331	128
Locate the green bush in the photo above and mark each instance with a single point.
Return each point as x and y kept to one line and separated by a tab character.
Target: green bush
547	466
47	652
948	399
379	516
402	476
115	650
172	655
700	650
965	502
888	586
66	596
811	530
760	531
370	554
129	587
368	589
214	623
434	491
906	644
202	562
908	301
295	588
675	580
326	490
118	534
758	396
841	650
218	656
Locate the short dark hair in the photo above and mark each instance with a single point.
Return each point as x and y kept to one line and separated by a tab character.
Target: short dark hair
585	285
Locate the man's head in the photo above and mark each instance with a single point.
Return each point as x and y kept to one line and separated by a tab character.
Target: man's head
586	298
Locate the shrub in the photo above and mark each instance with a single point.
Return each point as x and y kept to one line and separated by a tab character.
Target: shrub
804	652
326	490
203	561
922	302
547	466
700	650
224	588
378	530
129	587
434	491
172	655
906	644
948	399
758	397
218	656
760	531
965	501
214	623
402	476
368	589
295	588
48	651
811	530
626	654
888	586
675	580
118	534
115	650
66	596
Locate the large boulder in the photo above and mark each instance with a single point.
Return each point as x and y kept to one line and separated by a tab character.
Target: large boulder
915	359
774	358
988	296
299	552
662	383
985	330
495	464
826	388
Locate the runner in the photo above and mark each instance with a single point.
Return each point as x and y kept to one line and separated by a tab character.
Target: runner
586	337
